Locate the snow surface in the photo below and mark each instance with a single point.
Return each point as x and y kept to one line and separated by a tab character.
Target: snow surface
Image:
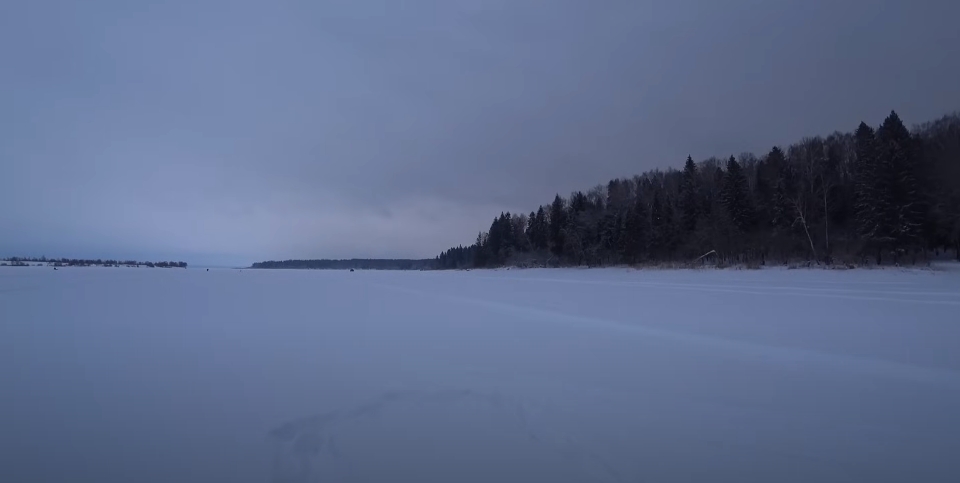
114	375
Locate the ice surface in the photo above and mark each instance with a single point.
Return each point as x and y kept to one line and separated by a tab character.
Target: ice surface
120	375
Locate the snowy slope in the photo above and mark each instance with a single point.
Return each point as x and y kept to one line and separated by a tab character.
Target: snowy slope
535	375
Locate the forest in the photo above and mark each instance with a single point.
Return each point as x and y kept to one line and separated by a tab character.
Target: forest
884	195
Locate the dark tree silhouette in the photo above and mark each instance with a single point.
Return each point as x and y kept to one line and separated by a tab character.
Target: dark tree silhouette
689	196
558	220
889	195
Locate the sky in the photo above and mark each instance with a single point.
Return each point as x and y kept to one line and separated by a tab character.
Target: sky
233	131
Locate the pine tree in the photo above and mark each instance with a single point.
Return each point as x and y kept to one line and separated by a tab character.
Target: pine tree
689	196
495	239
542	234
668	229
610	231
870	204
558	220
765	185
575	239
509	240
618	196
903	212
735	197
657	221
531	230
578	202
785	192
480	258
635	234
521	242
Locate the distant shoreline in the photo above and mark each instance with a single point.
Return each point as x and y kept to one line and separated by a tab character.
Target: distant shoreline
353	263
80	262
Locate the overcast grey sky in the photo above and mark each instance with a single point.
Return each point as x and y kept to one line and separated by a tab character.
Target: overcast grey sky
230	131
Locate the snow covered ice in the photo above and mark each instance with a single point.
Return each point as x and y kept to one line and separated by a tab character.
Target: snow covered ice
111	374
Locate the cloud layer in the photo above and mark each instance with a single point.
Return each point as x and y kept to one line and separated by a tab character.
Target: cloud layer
253	130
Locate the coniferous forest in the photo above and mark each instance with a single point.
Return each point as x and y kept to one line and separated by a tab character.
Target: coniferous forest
879	195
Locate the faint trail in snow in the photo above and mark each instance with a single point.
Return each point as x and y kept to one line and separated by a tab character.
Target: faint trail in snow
783	355
18	289
310	443
304	441
758	290
791	288
905	283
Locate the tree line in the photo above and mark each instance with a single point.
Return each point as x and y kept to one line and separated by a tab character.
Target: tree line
877	195
355	263
79	262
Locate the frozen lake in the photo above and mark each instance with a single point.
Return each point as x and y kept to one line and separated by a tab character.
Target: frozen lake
138	375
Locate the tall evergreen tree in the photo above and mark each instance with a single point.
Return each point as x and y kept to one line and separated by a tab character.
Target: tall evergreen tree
532	230
689	196
735	197
903	210
635	238
495	239
610	232
558	220
543	232
481	256
870	190
668	229
765	185
785	192
657	222
618	195
578	202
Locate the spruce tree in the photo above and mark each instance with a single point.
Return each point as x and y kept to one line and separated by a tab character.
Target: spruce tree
509	240
532	229
618	195
668	229
635	234
610	231
735	197
689	196
558	220
657	221
902	209
480	251
578	202
542	230
870	204
765	185
785	192
495	239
